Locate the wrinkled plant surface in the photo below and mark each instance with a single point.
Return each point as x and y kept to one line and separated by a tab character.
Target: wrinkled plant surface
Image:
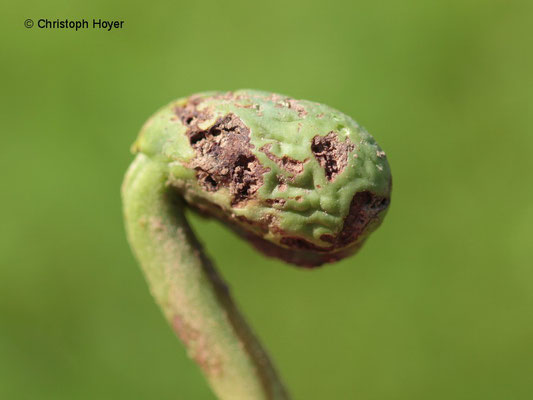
300	180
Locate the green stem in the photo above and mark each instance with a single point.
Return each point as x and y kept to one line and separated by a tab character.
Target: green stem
193	297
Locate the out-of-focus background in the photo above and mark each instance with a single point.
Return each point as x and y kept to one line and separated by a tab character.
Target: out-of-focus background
437	305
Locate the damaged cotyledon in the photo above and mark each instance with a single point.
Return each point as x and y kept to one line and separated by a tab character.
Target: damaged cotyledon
300	180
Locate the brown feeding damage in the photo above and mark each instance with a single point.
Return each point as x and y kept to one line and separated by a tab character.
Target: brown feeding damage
364	209
189	113
331	153
287	163
291	104
224	159
223	154
296	106
363	214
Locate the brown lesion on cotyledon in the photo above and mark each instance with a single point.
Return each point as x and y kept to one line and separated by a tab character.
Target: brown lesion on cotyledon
364	209
190	115
224	158
296	106
289	103
224	155
331	153
276	202
289	164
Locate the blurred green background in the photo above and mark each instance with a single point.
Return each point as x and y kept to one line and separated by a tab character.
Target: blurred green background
437	305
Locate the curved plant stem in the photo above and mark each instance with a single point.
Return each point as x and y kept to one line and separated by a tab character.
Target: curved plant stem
191	294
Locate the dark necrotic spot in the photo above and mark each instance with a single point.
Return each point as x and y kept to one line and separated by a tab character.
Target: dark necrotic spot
300	244
276	202
206	180
244	181
331	154
189	114
223	155
287	163
364	209
244	161
327	238
195	137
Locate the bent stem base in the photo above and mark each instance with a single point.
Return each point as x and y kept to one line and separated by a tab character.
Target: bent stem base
193	297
